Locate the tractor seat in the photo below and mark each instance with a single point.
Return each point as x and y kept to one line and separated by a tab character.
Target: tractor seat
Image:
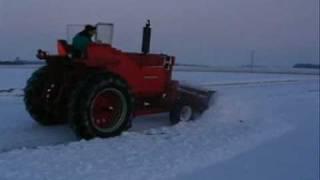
64	49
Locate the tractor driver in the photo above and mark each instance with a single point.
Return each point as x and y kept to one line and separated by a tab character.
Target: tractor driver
81	41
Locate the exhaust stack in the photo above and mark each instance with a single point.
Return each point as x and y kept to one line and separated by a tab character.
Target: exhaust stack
146	38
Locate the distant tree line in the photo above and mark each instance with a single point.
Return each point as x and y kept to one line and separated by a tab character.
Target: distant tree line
18	61
309	66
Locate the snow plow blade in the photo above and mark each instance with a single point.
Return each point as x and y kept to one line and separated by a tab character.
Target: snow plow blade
198	98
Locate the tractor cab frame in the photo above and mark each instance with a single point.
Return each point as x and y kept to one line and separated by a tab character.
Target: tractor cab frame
104	32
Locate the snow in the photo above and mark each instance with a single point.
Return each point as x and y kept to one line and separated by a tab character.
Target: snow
259	126
14	76
246	69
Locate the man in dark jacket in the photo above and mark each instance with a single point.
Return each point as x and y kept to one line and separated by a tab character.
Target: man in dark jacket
82	40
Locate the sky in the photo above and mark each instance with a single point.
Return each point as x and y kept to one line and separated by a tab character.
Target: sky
215	32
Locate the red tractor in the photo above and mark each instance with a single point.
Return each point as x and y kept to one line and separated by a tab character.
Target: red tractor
100	94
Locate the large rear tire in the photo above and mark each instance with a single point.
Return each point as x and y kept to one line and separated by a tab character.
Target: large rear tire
36	96
101	105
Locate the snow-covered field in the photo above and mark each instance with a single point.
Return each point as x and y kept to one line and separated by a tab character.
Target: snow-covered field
259	127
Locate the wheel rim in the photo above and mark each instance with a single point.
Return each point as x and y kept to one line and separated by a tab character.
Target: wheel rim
50	91
108	110
186	113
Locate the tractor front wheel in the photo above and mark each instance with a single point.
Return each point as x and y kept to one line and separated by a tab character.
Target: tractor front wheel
182	112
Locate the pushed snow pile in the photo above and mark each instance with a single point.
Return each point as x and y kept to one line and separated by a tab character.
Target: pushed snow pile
236	122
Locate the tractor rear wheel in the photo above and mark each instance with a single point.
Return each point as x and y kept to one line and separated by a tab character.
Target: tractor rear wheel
39	91
101	105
